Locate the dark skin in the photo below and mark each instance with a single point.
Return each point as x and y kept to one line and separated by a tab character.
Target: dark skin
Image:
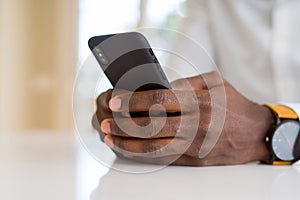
242	138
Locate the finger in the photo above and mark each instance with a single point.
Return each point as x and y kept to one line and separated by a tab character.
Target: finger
102	101
150	148
166	160
169	100
103	110
200	82
186	160
178	160
191	161
145	127
99	116
95	124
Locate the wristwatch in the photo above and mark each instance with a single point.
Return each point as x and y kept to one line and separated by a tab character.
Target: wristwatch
283	139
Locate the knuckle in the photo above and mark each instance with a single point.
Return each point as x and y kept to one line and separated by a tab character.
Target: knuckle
119	144
100	116
204	125
146	131
102	135
117	127
193	150
103	99
204	162
204	99
148	128
174	125
159	97
158	126
153	128
142	121
132	100
95	123
150	147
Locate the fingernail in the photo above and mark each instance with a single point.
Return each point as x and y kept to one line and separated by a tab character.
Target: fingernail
115	103
105	127
108	141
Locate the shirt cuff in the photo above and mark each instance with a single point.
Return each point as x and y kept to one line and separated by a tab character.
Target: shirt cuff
294	106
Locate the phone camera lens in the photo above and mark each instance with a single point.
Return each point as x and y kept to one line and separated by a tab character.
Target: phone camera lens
103	60
100	55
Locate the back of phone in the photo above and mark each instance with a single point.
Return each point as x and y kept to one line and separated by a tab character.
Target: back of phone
128	61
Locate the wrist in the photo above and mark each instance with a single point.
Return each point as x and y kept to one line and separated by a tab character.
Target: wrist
266	123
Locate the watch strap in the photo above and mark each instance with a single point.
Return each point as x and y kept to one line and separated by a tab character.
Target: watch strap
283	112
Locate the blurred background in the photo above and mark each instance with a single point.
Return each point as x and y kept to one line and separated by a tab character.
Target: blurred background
43	43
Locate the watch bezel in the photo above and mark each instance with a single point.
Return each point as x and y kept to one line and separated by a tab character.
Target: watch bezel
271	134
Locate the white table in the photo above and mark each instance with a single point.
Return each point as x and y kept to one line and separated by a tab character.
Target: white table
54	166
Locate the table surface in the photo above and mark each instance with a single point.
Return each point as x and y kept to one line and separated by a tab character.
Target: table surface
55	166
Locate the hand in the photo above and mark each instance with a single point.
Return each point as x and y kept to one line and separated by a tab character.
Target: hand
242	138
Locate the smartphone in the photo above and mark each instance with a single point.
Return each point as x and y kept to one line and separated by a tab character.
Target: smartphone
128	61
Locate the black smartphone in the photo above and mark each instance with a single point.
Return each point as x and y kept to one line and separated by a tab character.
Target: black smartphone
128	61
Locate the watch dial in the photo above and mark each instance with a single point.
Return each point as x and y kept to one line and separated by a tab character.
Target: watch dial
284	139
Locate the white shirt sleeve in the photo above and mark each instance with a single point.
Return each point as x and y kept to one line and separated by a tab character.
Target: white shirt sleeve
193	43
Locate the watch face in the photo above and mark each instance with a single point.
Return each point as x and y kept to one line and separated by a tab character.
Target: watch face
284	139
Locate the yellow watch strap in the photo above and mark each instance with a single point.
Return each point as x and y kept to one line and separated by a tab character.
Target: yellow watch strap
281	163
283	111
